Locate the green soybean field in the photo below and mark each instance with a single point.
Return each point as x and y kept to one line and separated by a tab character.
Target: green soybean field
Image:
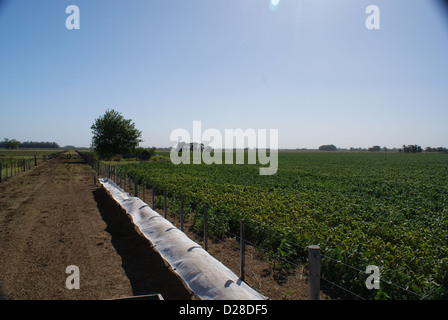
383	209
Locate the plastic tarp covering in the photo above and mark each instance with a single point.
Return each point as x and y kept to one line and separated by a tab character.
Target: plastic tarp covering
202	273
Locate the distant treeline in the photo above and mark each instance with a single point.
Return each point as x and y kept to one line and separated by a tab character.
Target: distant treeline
406	149
14	144
438	149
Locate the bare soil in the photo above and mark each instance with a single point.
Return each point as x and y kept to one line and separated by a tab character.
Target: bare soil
54	216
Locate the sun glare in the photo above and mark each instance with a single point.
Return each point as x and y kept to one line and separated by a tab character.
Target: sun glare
273	4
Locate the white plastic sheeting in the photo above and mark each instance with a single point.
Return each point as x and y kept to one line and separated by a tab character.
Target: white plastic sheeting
202	273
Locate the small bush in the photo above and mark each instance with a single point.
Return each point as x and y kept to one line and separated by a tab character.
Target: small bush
117	158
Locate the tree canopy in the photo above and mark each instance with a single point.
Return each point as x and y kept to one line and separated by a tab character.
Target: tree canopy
10	144
412	148
15	144
113	134
328	147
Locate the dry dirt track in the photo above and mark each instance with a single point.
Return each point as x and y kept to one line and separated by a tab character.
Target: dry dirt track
53	216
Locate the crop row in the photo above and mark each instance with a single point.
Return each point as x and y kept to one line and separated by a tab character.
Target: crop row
387	210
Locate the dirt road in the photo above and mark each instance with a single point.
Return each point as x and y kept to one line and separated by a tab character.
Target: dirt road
52	217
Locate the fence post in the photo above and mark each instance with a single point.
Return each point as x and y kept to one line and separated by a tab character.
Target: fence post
205	227
242	250
143	189
314	273
152	194
182	213
1	172
35	160
164	202
136	186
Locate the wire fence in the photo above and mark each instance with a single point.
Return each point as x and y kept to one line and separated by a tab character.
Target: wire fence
200	224
13	166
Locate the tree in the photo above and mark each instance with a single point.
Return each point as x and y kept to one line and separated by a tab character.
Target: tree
43	145
328	147
438	149
195	146
10	144
375	148
412	148
113	134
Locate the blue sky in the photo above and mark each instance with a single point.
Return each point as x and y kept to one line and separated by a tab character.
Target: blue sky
309	68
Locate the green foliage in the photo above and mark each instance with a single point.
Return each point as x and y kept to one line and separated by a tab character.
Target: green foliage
328	147
10	144
412	149
144	151
388	210
14	144
375	148
112	134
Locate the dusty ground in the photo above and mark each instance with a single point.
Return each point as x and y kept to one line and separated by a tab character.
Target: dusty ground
53	216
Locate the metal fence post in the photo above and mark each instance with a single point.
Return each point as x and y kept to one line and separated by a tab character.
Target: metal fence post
152	194
143	189
164	202
314	273
182	213
242	250
205	228
136	186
